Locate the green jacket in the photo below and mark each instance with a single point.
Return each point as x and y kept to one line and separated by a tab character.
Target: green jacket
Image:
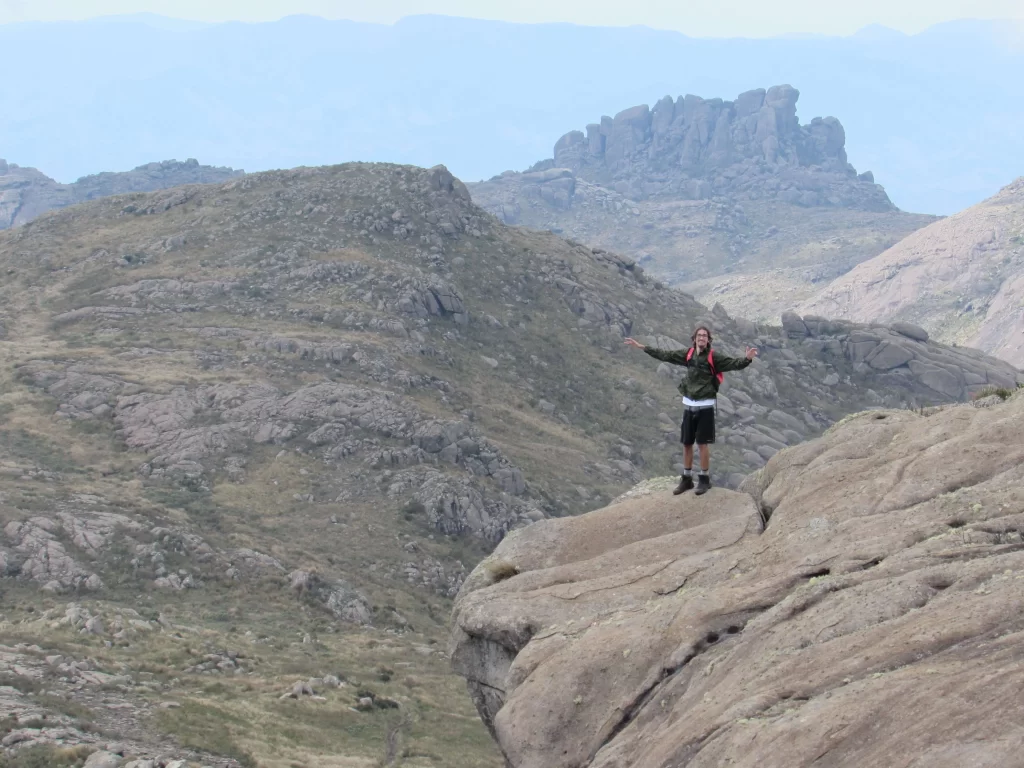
699	383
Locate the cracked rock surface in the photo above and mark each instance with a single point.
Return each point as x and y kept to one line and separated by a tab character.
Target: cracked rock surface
875	620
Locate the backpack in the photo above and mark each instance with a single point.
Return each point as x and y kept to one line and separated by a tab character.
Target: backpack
719	377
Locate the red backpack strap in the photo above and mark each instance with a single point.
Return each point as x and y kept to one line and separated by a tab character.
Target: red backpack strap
711	362
689	354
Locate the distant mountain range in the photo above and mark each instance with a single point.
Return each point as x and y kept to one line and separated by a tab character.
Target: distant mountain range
26	193
935	116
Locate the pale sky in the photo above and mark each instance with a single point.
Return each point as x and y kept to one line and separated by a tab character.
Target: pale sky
699	18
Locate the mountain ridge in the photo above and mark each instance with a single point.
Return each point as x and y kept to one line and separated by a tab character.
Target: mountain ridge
960	277
26	193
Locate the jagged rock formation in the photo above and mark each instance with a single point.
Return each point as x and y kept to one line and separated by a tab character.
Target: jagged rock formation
962	278
734	201
694	149
874	621
26	193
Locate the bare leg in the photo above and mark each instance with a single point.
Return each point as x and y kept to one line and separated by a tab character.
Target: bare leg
688	456
705	457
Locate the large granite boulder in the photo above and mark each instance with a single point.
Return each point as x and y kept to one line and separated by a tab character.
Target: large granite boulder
857	604
911	331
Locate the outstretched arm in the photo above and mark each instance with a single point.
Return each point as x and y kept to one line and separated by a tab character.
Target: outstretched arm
673	356
724	363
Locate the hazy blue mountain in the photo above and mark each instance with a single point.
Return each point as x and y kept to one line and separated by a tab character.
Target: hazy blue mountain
936	116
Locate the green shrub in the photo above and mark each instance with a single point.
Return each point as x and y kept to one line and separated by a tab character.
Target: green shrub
1001	392
20	682
413	509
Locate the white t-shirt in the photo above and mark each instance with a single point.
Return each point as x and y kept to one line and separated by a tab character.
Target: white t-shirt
698	403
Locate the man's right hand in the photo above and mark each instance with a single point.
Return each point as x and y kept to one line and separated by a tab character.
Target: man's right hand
635	343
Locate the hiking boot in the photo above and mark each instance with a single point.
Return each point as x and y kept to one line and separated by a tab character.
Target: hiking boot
685	484
703	485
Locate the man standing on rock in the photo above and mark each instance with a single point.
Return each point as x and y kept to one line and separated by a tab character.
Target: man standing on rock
700	393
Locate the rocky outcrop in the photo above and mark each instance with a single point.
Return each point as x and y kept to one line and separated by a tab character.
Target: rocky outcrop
902	349
26	193
692	148
962	278
83	540
47	548
432	296
867	582
150	177
336	596
556	187
188	433
457	505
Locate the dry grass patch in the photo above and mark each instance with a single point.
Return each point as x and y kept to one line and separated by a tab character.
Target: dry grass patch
500	570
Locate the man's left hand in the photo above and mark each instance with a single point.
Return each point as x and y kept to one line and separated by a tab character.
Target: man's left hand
751	353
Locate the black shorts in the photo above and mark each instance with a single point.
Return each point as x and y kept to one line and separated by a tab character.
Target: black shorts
698	426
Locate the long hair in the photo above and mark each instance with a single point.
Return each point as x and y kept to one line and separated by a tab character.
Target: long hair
693	339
